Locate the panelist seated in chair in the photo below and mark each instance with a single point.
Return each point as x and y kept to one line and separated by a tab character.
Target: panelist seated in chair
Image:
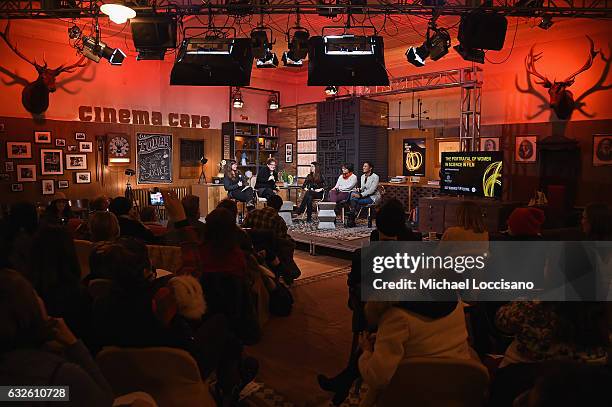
368	193
347	181
314	185
236	185
266	179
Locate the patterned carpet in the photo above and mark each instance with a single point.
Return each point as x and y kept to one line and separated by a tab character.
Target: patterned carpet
340	233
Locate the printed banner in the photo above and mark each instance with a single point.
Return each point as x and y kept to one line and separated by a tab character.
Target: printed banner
414	157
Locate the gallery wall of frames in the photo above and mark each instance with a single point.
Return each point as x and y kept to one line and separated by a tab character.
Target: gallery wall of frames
38	160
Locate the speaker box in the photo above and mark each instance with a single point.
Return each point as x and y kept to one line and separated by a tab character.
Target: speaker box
482	31
346	70
153	32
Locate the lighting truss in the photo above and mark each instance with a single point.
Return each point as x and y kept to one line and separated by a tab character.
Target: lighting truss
15	9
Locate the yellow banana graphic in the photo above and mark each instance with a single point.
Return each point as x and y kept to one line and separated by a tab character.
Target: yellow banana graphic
491	177
414	160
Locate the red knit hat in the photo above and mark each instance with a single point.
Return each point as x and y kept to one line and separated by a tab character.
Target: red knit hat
526	221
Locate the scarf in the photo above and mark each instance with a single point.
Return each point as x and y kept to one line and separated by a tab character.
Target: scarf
347	175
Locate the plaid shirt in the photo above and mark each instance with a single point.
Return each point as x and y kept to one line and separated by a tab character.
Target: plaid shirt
266	219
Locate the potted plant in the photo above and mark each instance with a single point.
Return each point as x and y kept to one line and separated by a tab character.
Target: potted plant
286	178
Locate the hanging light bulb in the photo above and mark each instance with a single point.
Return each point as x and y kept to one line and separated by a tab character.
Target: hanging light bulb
117	11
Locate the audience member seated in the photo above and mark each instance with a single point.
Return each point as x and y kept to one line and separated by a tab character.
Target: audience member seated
57	212
265	183
148	216
191	204
391	226
551	331
470	228
38	350
21	226
525	224
128	225
244	241
597	222
53	270
347	181
140	311
103	227
314	185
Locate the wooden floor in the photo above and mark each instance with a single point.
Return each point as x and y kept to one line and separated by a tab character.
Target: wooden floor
319	264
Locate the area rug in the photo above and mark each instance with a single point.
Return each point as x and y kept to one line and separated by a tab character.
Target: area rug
340	233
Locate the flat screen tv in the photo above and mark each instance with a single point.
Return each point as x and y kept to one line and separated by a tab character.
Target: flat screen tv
477	173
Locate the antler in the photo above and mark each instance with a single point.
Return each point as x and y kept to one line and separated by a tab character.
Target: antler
599	85
530	61
4	35
71	68
587	65
531	91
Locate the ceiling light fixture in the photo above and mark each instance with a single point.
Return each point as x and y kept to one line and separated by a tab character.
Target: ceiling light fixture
546	22
117	11
435	46
273	102
237	101
95	50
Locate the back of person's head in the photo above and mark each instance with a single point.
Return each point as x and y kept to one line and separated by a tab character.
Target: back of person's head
189	297
23	216
148	214
120	206
569	385
22	323
583	323
100	203
125	261
391	218
54	263
526	222
220	229
230	205
103	226
469	216
275	202
597	221
191	204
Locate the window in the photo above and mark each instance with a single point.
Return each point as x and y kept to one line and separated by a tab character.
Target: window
306	150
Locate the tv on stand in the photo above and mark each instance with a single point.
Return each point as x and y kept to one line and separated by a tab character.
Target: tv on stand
476	173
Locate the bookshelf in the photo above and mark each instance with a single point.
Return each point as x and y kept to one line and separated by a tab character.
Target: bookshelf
251	141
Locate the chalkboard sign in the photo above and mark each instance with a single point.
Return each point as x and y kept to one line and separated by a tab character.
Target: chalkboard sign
154	158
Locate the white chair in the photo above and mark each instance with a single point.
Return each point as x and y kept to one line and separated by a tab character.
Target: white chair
258	199
171	376
435	382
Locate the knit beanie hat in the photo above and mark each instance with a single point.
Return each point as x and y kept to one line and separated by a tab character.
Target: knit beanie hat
189	296
526	221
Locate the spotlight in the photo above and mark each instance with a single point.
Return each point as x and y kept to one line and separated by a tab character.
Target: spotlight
203	160
331	90
298	45
473	55
270	60
417	55
74	32
435	47
117	11
290	60
259	42
96	49
237	101
273	102
546	22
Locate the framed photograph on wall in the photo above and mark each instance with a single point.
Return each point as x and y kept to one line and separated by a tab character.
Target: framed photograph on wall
86	147
525	149
51	162
42	137
26	173
16	187
18	149
82	177
9	166
60	142
5	177
289	152
602	150
62	184
489	144
447	146
79	136
72	149
48	187
76	161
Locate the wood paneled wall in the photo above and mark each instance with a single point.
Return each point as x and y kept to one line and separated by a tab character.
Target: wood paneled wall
520	180
373	113
113	180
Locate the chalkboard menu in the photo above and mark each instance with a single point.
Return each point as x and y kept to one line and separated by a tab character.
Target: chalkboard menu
154	158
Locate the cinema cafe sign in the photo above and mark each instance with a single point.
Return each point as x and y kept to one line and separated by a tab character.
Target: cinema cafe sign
126	116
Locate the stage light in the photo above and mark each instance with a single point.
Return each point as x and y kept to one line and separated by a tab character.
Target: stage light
417	55
435	47
117	11
95	49
290	60
546	22
273	102
331	90
237	101
298	45
270	60
260	44
348	44
153	36
473	55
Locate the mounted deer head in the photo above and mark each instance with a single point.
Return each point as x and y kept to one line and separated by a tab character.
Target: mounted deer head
561	99
35	95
